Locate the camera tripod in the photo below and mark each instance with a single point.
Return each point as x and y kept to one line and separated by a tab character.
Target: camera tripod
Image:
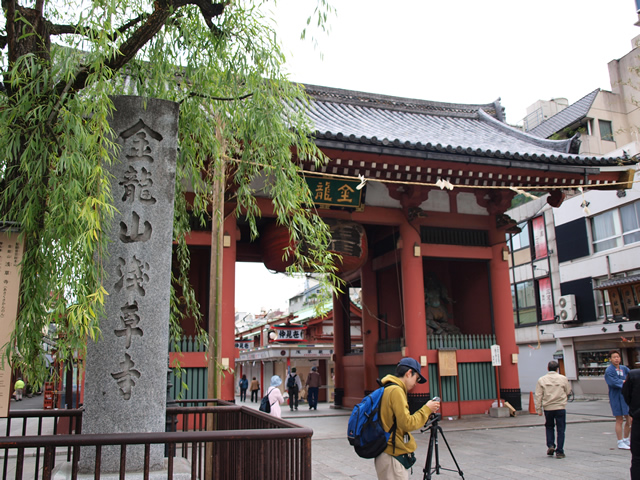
434	427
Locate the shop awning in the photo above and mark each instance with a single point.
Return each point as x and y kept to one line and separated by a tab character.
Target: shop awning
618	282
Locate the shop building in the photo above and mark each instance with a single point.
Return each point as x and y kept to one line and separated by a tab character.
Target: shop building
575	269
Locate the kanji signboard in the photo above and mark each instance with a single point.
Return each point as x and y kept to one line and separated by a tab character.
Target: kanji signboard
288	334
335	192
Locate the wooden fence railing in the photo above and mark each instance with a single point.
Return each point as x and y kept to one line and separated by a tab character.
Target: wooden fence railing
273	447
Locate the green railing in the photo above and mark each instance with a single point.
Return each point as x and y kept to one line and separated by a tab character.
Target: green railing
477	382
191	384
188	344
460	342
193	381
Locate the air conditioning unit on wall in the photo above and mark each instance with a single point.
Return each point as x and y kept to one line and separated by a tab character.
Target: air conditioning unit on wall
566	308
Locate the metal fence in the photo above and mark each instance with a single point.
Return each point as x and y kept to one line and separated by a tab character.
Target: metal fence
477	382
269	447
460	342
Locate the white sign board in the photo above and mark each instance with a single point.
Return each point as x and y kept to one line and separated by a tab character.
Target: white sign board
495	356
10	258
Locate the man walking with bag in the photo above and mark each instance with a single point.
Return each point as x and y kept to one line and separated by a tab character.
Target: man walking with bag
294	385
552	391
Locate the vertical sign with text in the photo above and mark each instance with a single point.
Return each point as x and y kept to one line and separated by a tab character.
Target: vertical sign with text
126	372
10	258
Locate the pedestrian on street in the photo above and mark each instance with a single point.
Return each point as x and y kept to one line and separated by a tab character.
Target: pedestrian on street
294	385
552	391
255	386
275	396
399	456
631	394
18	388
244	384
615	375
313	384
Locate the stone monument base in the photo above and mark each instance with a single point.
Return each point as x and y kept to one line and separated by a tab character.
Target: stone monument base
181	471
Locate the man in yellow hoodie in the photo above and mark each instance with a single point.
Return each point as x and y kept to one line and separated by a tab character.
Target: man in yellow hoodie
394	411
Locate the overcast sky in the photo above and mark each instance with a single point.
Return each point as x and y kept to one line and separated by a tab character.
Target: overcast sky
463	51
459	51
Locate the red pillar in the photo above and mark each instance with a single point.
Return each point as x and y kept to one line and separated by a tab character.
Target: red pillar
338	347
503	310
228	333
415	326
370	329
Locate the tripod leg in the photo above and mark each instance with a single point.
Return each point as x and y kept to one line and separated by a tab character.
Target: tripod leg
427	467
450	452
437	468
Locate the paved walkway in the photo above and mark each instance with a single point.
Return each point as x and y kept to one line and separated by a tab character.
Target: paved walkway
484	447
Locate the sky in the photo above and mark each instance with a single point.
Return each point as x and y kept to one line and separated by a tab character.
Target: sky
259	290
462	51
458	51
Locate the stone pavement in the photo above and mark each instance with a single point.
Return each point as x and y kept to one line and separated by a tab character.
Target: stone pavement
485	447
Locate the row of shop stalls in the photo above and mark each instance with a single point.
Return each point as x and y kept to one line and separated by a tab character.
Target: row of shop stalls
302	340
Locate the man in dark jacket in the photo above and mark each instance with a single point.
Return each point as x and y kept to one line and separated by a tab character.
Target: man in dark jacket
631	394
313	383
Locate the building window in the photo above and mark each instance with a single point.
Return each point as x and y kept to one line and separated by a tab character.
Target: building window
605	229
630	216
617	227
521	240
523	296
603	302
606	130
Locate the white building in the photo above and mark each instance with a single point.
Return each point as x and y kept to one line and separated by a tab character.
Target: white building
575	270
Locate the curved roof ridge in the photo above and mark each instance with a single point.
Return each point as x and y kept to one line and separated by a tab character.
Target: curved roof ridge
388	102
561	146
574	112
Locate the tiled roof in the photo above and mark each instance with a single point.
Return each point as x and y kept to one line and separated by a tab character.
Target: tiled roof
362	121
570	115
619	282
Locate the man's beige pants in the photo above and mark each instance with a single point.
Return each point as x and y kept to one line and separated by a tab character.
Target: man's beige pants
388	468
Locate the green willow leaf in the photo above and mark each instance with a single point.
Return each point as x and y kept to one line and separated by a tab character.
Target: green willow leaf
223	66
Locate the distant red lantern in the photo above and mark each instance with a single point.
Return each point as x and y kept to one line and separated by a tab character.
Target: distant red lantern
348	239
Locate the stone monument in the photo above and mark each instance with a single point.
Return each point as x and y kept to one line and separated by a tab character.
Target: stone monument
126	368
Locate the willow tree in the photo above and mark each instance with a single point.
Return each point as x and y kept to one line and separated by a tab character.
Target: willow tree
62	61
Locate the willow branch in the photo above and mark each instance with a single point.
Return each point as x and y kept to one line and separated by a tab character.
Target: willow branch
148	29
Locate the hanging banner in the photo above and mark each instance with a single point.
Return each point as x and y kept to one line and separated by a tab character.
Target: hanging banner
546	299
288	333
10	257
539	237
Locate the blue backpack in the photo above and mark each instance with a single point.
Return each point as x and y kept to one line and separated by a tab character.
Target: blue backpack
364	430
